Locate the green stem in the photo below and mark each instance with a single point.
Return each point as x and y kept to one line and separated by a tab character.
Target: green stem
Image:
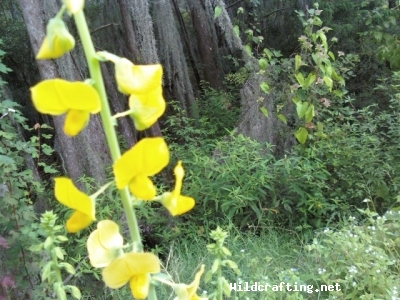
54	258
219	274
111	136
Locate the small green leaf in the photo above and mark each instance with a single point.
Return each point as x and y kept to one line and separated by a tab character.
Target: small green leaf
226	251
265	87
264	111
76	293
215	265
226	287
329	83
217	11
301	108
297	62
282	118
332	56
236	30
301	135
263	63
309	80
208	277
310	113
300	78
68	267
58	252
247	48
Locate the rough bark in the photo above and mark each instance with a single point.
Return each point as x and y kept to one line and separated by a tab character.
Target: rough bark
129	33
206	44
86	153
254	124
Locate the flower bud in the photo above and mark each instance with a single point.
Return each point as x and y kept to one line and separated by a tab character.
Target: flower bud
57	42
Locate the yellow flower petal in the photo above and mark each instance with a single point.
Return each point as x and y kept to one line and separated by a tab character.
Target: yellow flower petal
57	96
192	288
147	158
78	221
44	99
74	6
137	79
148	108
104	244
175	202
124	268
75	121
57	42
142	187
139	285
177	205
66	193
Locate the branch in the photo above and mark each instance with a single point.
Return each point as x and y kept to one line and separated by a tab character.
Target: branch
233	4
104	26
275	11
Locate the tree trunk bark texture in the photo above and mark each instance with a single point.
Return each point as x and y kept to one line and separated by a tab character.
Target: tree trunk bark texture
88	152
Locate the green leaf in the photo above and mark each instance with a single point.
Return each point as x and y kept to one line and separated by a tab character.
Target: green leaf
58	252
297	63
208	277
328	81
268	53
68	267
282	118
300	78
301	108
309	80
331	55
236	30
76	293
265	87
310	113
263	63
264	111
217	11
247	48
5	160
215	265
301	135
226	287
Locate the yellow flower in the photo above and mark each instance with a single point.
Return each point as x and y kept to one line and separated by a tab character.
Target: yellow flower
57	42
104	244
175	202
74	6
147	158
189	292
76	99
147	108
135	268
66	193
137	79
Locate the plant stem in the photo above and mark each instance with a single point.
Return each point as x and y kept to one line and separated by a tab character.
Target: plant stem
105	113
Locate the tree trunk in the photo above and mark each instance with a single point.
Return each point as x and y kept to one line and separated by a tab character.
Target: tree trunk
206	44
87	153
129	33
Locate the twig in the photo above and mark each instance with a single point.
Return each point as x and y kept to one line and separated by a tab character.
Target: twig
66	280
104	26
233	4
